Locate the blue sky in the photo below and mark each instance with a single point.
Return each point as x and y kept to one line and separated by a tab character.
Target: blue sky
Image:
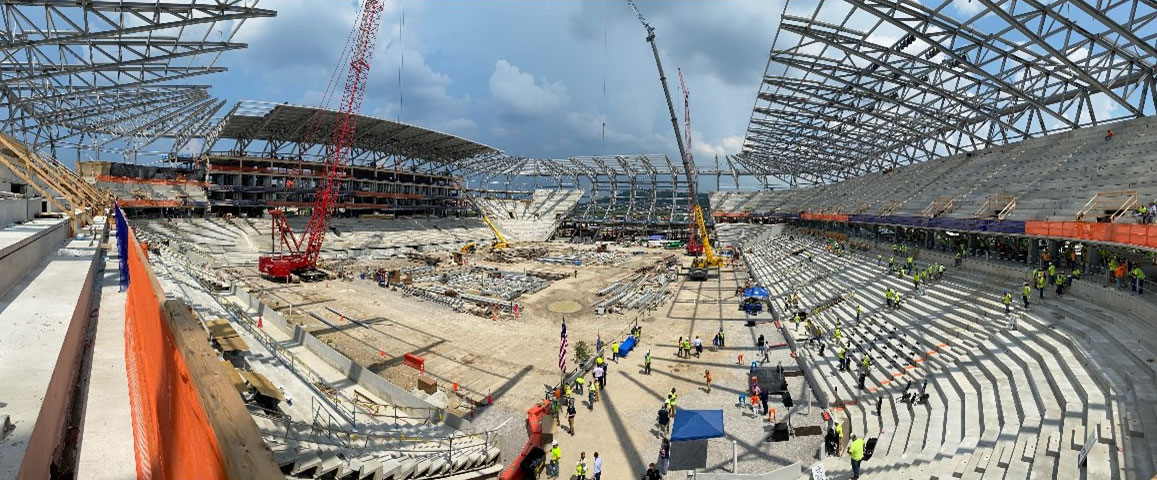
525	76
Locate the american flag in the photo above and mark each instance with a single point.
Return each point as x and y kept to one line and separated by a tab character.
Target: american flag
562	348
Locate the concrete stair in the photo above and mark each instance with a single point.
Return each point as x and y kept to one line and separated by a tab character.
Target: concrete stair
1003	403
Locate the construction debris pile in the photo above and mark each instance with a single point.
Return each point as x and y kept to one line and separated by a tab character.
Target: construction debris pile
513	255
587	258
645	290
489	281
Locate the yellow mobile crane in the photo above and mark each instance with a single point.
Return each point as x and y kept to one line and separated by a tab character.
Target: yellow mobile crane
700	265
500	243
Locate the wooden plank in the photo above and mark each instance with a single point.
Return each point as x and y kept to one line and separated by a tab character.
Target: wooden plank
243	450
234	377
232	344
263	385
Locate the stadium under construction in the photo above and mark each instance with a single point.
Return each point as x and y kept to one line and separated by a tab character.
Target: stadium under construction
931	257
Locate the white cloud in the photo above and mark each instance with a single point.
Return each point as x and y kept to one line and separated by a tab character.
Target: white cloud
728	145
522	94
968	7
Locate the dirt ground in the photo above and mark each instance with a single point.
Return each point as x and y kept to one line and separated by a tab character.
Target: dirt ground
510	360
513	360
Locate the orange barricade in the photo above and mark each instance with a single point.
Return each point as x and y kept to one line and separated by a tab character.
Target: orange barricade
171	432
1152	241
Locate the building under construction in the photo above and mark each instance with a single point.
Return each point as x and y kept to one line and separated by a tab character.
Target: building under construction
935	248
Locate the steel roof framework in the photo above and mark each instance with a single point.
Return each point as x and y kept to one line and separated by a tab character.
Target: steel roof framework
865	85
109	75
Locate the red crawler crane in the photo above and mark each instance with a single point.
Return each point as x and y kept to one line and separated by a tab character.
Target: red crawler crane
299	254
694	246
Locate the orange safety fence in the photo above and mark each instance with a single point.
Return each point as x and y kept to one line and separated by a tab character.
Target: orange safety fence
171	432
830	217
149	203
150	181
1123	233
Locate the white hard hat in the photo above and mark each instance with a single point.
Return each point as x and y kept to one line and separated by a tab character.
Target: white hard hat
554	442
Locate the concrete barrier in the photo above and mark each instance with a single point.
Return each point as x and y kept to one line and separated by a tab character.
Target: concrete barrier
20	258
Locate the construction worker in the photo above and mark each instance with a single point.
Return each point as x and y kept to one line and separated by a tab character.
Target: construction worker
647	363
594	395
910	259
896	300
722	338
1076	274
843	358
570	413
1007	303
615	351
1040	285
891	262
1060	282
866	362
707	380
1025	293
555	458
888	295
580	467
859	310
1112	270
1052	270
838	334
578	385
671	398
856	453
956	259
879	259
839	432
1139	280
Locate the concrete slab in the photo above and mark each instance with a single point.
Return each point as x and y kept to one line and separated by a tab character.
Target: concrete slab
107	450
34	319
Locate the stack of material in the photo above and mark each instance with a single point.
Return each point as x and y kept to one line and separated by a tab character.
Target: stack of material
642	291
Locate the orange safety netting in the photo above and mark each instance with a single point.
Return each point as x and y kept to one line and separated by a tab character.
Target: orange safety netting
1123	233
171	432
151	181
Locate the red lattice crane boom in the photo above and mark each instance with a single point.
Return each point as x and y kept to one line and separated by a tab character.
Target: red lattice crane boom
694	246
300	254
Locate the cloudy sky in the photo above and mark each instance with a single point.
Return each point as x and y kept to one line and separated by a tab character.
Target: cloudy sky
535	78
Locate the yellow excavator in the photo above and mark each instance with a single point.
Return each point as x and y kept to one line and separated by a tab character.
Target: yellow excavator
700	265
500	242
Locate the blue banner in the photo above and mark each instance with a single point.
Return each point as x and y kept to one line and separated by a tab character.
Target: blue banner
122	246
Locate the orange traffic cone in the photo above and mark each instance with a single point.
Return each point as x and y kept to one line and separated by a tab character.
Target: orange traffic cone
260	324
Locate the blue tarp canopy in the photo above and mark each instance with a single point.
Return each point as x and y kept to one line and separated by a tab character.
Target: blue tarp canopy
756	291
697	425
627	345
656	237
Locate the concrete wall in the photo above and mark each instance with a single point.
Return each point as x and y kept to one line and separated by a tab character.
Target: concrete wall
49	435
13	211
353	371
22	257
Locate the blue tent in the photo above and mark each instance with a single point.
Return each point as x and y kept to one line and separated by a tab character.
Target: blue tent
697	425
756	291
